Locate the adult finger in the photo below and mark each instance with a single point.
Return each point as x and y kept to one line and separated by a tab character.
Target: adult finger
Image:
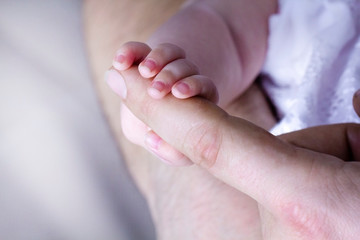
133	129
234	150
138	133
340	140
164	151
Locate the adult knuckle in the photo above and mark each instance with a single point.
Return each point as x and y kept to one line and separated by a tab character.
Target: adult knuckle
206	140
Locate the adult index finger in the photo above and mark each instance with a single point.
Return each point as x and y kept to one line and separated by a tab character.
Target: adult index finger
234	150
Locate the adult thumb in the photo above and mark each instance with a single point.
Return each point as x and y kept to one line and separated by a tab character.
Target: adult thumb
340	140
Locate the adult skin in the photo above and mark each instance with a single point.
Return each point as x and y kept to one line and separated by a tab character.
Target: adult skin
186	203
306	184
209	208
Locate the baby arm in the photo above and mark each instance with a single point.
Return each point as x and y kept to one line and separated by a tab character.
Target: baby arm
225	42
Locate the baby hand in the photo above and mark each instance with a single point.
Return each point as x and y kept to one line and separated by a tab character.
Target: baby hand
170	72
170	69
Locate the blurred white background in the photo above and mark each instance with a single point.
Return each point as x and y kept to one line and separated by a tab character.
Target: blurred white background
61	175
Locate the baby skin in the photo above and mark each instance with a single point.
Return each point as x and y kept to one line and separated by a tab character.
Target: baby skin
256	163
201	51
188	203
170	72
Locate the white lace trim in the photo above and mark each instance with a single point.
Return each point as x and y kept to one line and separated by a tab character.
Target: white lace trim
314	62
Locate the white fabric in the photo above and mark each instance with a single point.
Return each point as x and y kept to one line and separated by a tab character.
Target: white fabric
313	62
61	176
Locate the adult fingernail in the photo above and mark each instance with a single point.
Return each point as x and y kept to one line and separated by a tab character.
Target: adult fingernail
357	94
356	102
116	83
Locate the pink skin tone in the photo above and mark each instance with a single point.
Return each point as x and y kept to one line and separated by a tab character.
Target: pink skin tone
201	51
194	201
168	69
293	209
301	181
169	72
139	133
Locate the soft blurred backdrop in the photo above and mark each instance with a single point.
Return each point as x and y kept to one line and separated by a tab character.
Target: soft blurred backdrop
61	174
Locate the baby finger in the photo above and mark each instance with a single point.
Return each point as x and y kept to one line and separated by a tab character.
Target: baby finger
196	85
169	75
129	54
158	58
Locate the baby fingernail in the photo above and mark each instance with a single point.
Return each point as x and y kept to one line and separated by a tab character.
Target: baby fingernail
116	83
149	65
120	58
118	62
183	88
156	88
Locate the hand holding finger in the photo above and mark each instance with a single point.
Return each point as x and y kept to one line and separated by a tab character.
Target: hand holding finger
294	186
136	131
207	137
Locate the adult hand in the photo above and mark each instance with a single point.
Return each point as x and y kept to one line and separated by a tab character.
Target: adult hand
305	191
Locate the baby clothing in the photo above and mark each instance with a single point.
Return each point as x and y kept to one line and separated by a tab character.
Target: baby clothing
313	62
